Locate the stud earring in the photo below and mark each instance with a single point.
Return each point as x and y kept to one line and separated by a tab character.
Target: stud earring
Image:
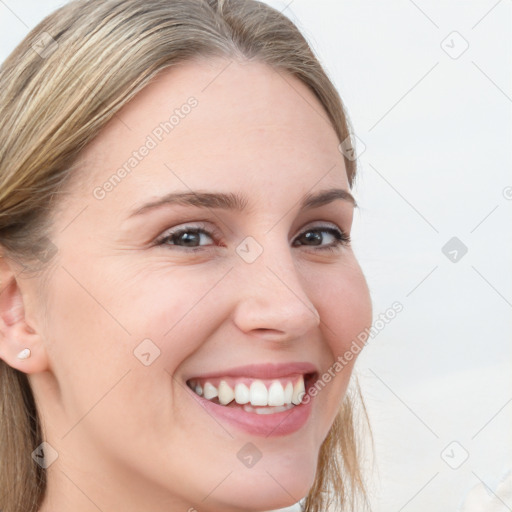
24	354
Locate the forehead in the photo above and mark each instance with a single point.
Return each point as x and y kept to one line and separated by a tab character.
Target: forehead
216	123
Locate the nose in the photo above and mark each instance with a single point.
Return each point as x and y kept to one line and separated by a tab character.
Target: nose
271	300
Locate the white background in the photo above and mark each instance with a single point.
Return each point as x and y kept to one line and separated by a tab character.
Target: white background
436	134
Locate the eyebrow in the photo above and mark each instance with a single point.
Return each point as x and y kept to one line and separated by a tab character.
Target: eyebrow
236	202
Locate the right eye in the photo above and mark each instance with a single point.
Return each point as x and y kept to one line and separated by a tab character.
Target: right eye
187	238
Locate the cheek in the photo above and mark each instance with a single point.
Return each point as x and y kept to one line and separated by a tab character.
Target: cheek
89	342
343	301
179	312
100	333
344	304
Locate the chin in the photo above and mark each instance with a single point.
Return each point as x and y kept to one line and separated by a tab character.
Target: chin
255	500
278	482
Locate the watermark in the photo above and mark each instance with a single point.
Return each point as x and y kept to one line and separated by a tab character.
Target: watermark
507	193
249	249
45	455
356	346
156	136
45	250
455	249
44	45
455	455
146	352
454	45
249	455
352	147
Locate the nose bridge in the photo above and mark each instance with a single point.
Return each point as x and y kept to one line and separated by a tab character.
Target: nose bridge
271	294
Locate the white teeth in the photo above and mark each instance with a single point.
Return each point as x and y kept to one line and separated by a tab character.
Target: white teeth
210	391
276	394
275	397
298	391
259	393
242	395
267	410
226	394
288	393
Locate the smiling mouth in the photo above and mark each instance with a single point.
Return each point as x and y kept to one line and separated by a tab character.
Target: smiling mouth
260	396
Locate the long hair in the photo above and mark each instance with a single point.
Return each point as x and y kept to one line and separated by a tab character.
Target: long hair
58	89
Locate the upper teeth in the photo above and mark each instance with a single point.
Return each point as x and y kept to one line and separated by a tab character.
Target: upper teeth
256	393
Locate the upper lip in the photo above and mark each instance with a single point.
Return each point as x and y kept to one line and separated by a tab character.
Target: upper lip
263	371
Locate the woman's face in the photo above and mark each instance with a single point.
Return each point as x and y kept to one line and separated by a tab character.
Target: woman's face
141	307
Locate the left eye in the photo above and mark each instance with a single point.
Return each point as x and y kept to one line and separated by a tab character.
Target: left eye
313	235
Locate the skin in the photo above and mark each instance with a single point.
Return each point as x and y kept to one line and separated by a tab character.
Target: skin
130	437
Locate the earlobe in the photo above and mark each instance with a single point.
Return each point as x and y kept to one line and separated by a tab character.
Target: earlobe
21	347
24	354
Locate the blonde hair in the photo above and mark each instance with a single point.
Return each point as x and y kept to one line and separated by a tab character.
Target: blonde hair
58	88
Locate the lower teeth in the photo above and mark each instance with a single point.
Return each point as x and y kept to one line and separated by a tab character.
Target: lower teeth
267	409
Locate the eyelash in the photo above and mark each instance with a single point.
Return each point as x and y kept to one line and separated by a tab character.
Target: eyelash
341	238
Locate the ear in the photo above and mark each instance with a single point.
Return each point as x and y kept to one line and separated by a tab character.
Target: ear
16	332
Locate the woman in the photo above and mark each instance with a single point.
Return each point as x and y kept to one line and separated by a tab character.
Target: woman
180	303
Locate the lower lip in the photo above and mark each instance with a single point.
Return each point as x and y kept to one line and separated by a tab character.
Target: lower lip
265	425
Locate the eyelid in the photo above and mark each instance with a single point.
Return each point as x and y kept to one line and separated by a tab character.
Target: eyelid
320	224
208	228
